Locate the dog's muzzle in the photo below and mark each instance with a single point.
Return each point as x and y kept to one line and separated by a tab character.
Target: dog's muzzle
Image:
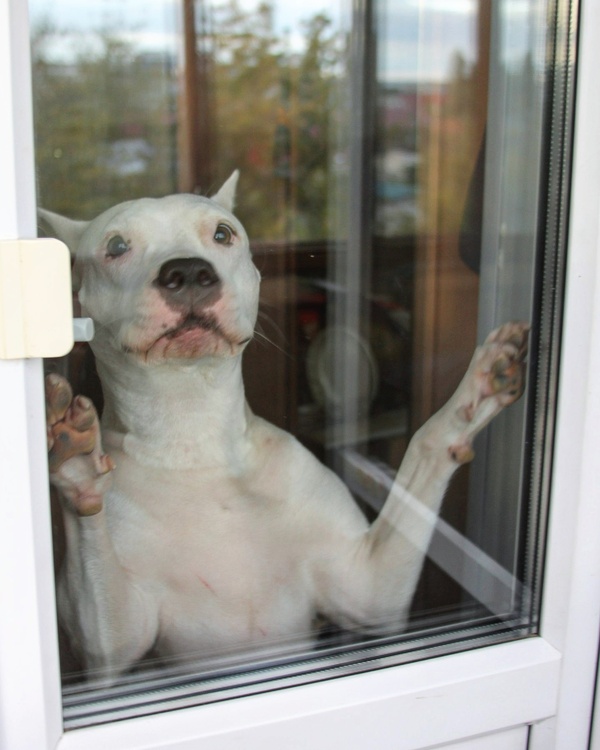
188	283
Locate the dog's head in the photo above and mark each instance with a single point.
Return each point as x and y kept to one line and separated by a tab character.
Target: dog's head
165	278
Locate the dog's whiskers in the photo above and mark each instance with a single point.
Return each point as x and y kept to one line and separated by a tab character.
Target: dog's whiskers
263	315
267	340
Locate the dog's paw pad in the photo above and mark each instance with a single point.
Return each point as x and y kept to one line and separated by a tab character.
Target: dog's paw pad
88	505
82	414
501	366
506	376
78	466
58	398
515	334
461	453
104	464
72	423
68	442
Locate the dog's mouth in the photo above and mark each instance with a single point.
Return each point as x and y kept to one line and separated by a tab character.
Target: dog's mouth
190	338
194	321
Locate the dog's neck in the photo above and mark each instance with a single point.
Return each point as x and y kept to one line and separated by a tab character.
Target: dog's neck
178	415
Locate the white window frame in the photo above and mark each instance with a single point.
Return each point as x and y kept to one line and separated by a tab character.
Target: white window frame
546	682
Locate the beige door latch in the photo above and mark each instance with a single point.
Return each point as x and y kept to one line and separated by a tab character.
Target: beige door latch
36	304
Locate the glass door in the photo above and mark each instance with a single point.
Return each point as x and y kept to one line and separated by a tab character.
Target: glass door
375	278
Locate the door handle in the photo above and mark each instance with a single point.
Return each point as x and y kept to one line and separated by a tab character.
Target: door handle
36	301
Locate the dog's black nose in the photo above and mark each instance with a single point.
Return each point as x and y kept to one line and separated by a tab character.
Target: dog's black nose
188	281
186	272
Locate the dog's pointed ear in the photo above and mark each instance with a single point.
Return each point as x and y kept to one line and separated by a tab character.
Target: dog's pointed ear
68	231
225	197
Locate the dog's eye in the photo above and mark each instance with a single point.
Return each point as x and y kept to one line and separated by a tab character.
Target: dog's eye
223	235
116	246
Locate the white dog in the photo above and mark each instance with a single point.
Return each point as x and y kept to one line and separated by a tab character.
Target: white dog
208	529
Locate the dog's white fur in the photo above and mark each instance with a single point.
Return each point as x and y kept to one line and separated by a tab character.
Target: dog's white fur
216	530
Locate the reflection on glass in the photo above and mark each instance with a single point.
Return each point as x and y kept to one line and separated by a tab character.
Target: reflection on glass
389	166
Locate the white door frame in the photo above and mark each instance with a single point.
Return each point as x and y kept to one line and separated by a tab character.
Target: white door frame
546	681
29	688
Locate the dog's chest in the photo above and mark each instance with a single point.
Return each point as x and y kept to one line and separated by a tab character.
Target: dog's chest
222	558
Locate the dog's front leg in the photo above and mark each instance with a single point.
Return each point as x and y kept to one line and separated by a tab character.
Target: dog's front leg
375	587
106	616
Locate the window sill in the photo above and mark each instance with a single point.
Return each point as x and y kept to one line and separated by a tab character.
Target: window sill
418	704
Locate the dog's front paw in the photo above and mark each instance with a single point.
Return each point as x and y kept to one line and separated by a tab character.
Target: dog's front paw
78	467
495	379
502	362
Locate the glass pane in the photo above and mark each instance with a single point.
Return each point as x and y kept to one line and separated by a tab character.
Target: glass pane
399	182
